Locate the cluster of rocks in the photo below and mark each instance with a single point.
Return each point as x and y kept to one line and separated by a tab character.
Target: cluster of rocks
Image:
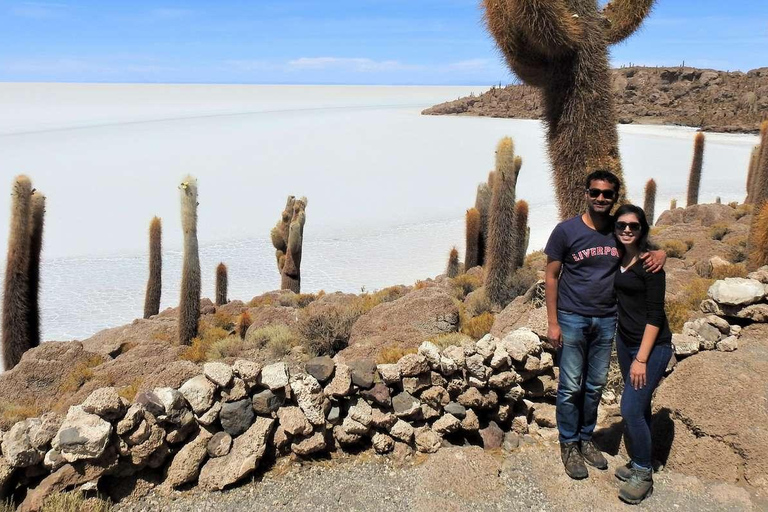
732	303
216	427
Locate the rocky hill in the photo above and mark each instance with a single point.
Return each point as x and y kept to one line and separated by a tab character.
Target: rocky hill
719	101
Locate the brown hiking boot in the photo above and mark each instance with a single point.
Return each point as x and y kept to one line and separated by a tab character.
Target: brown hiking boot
573	461
638	487
592	455
624	472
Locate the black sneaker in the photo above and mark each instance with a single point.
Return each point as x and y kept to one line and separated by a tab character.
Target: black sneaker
573	461
638	487
624	472
592	455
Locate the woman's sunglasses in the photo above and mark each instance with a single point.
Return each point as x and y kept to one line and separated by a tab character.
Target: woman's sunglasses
621	226
608	194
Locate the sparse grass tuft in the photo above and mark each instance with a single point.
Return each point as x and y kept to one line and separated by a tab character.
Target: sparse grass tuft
198	350
223	320
743	210
478	326
391	355
738	270
80	374
448	339
465	284
10	413
371	300
418	285
476	303
536	259
74	502
129	392
718	231
521	280
681	309
674	248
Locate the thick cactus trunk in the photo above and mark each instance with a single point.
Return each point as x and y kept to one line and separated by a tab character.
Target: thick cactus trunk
472	253
288	240
453	268
522	232
37	221
189	304
155	280
16	295
221	284
649	205
694	178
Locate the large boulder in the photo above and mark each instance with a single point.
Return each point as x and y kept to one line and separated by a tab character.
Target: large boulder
403	323
521	312
711	419
736	291
241	461
82	435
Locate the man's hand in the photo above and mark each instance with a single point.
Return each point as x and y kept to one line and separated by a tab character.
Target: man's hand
653	261
554	336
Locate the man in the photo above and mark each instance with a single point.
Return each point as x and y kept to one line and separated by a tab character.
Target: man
581	314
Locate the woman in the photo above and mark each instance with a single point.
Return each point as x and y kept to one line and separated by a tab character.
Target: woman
643	345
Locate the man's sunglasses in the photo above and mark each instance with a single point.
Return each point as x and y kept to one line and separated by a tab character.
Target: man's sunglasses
594	193
621	226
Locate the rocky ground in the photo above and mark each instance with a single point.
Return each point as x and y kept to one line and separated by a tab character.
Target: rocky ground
718	101
453	479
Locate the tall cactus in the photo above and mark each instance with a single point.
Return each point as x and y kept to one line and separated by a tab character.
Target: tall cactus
502	242
561	47
754	159
756	246
522	231
221	284
453	268
472	253
482	205
288	240
155	279
694	178
37	220
189	304
649	205
16	296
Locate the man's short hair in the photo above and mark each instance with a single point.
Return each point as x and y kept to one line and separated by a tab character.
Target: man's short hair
603	175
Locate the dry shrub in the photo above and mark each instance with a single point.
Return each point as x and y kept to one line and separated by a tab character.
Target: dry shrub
521	281
262	300
466	283
739	252
7	506
74	502
371	300
10	413
718	231
448	339
738	270
278	340
80	374
743	210
326	330
758	242
223	320
536	260
478	326
198	350
657	230
163	336
476	303
674	248
688	302
303	300
391	355
129	392
418	285
231	346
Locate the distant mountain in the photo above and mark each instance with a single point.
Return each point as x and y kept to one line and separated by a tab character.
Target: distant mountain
719	101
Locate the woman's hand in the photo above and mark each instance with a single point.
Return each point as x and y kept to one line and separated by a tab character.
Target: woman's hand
637	374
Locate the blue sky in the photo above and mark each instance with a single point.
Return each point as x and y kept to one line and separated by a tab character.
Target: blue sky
329	41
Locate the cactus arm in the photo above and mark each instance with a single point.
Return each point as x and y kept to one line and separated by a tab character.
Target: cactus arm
624	17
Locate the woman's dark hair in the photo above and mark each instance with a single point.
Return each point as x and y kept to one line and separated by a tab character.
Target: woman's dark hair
644	227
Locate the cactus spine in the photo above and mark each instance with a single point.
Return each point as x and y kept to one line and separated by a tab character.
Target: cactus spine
221	284
472	253
189	304
561	47
155	280
288	240
649	205
522	231
453	268
502	243
694	178
37	221
16	296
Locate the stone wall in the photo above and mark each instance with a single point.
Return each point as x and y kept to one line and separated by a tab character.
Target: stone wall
214	430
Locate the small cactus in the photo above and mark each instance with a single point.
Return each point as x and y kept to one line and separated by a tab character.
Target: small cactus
155	280
718	200
16	296
650	201
243	323
673	204
694	178
501	245
288	240
37	221
221	284
189	304
471	256
522	231
454	267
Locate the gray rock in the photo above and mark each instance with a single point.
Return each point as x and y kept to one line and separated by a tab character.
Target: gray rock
360	411
485	347
378	394
447	424
514	394
520	343
417	383
476	367
448	366
541	386
293	421
402	431
236	417
219	444
211	415
52	460
428	412
132	418
729	344
235	391
390	373
363	372
185	466
405	404
219	373
685	345
702	328
334	415
18	449
500	357
104	402
341	384
151	403
455	353
456	410
198	392
82	436
309	396
511	441
246	453
174	404
432	354
310	445
720	323
351	426
411	365
492	436
247	370
266	402
736	291
320	368
275	376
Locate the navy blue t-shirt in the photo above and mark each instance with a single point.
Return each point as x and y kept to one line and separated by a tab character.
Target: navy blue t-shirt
590	260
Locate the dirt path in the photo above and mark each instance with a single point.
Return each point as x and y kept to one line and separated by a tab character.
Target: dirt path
454	479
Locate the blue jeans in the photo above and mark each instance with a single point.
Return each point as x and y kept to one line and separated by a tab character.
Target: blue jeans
636	403
584	358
